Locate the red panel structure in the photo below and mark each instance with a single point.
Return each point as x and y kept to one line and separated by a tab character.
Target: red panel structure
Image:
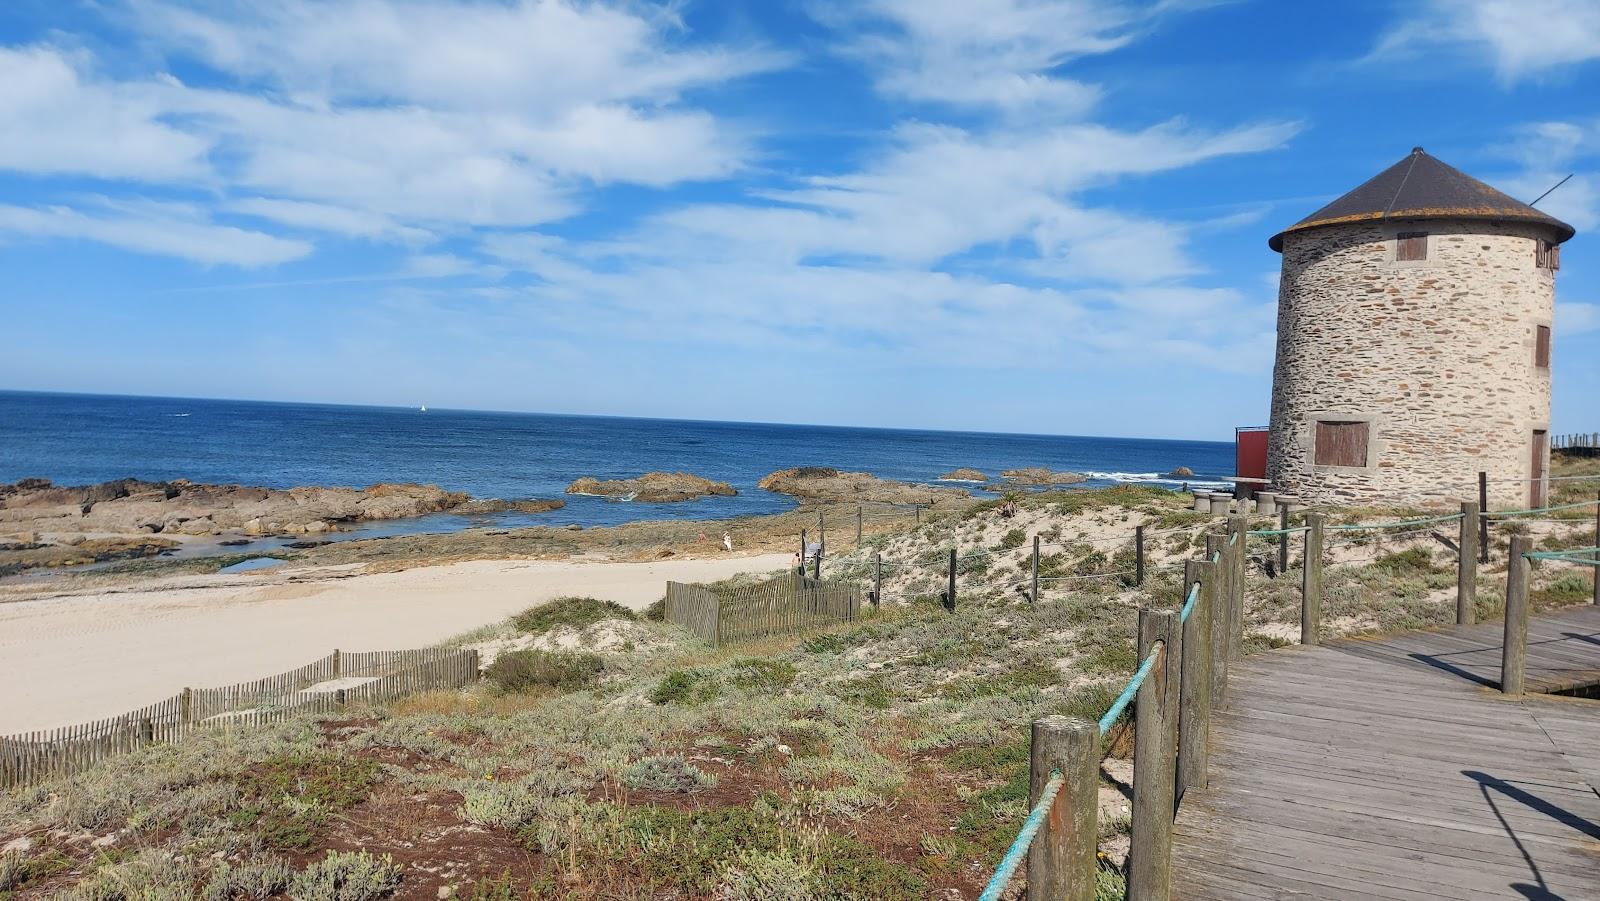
1250	459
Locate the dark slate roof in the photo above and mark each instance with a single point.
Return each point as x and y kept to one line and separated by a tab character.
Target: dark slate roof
1421	187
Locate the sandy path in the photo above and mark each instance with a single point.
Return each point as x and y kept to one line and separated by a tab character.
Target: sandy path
66	660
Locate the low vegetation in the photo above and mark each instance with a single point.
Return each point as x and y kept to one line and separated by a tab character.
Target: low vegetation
881	759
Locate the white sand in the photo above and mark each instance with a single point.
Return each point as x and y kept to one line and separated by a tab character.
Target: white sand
70	659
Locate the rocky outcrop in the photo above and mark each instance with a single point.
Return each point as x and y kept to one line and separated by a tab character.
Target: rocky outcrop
1039	476
495	505
76	551
824	483
1182	472
653	487
964	474
130	506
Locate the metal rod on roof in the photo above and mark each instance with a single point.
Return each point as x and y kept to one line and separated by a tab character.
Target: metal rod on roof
1552	189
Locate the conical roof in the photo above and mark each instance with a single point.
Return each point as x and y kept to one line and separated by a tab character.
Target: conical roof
1422	187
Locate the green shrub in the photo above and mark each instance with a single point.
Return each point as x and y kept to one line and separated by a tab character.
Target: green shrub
287	798
531	669
254	877
1013	539
762	673
1417	559
666	773
685	686
13	870
1567	588
657	611
346	876
873	692
575	612
503	804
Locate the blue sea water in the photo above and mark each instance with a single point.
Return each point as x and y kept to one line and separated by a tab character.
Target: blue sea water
78	439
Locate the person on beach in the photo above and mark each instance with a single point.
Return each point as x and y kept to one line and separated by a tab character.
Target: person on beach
727	541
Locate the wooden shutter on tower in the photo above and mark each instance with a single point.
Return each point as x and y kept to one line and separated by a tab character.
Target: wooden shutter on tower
1547	255
1541	346
1341	443
1410	246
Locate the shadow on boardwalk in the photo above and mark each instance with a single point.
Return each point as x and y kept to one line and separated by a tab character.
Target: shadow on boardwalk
1391	768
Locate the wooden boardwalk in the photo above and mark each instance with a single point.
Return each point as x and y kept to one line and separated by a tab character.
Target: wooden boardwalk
1394	769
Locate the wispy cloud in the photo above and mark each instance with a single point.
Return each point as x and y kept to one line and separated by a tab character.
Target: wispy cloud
154	230
1519	39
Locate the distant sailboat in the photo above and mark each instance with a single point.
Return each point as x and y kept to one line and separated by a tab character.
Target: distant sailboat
423	409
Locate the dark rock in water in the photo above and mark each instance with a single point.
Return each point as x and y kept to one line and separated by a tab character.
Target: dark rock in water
1042	476
234	542
964	474
495	505
826	484
303	545
1182	472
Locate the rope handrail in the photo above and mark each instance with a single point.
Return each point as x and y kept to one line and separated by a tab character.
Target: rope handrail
1288	531
1499	513
1047	795
1019	847
1589	555
1188	605
1356	527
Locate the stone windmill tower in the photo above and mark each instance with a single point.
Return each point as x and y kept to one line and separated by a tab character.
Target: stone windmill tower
1414	318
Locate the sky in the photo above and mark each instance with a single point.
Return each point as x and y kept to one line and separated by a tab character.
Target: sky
1006	215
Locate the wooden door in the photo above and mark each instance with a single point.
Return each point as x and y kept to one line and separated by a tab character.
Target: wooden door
1538	487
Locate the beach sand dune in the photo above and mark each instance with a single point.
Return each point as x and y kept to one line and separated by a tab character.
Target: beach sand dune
73	658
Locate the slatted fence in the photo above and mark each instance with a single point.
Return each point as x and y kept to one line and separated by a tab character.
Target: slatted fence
323	686
781	606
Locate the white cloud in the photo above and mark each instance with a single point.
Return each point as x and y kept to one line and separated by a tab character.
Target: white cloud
161	230
996	54
1518	38
323	217
55	119
1550	151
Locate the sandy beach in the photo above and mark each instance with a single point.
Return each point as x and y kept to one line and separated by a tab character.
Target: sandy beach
77	657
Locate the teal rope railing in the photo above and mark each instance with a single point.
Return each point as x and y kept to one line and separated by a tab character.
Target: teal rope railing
1586	555
1188	604
1047	796
1019	848
1288	531
1499	513
1356	527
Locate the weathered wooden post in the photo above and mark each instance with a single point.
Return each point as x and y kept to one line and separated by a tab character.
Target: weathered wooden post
339	697
147	731
816	570
822	530
186	706
338	663
1483	519
1311	581
802	552
1154	763
1220	634
1061	861
916	510
1138	555
1514	652
950	599
1239	536
1194	695
1596	544
1033	595
859	518
1283	539
1467	566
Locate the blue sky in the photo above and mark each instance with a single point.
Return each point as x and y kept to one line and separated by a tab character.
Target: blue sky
1011	215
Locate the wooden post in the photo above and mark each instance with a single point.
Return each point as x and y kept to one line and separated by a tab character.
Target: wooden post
1061	861
1138	555
802	552
858	525
1033	596
1221	635
822	530
1311	581
1239	531
816	570
1596	569
1283	539
338	663
186	706
950	600
1467	566
916	510
1514	653
1483	519
877	578
1194	695
1150	854
339	697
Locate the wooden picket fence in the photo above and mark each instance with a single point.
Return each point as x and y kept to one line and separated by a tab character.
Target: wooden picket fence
365	678
781	606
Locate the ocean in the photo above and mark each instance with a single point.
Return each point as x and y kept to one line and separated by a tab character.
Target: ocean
78	439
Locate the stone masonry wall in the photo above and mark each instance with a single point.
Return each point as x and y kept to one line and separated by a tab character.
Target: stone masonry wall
1438	355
